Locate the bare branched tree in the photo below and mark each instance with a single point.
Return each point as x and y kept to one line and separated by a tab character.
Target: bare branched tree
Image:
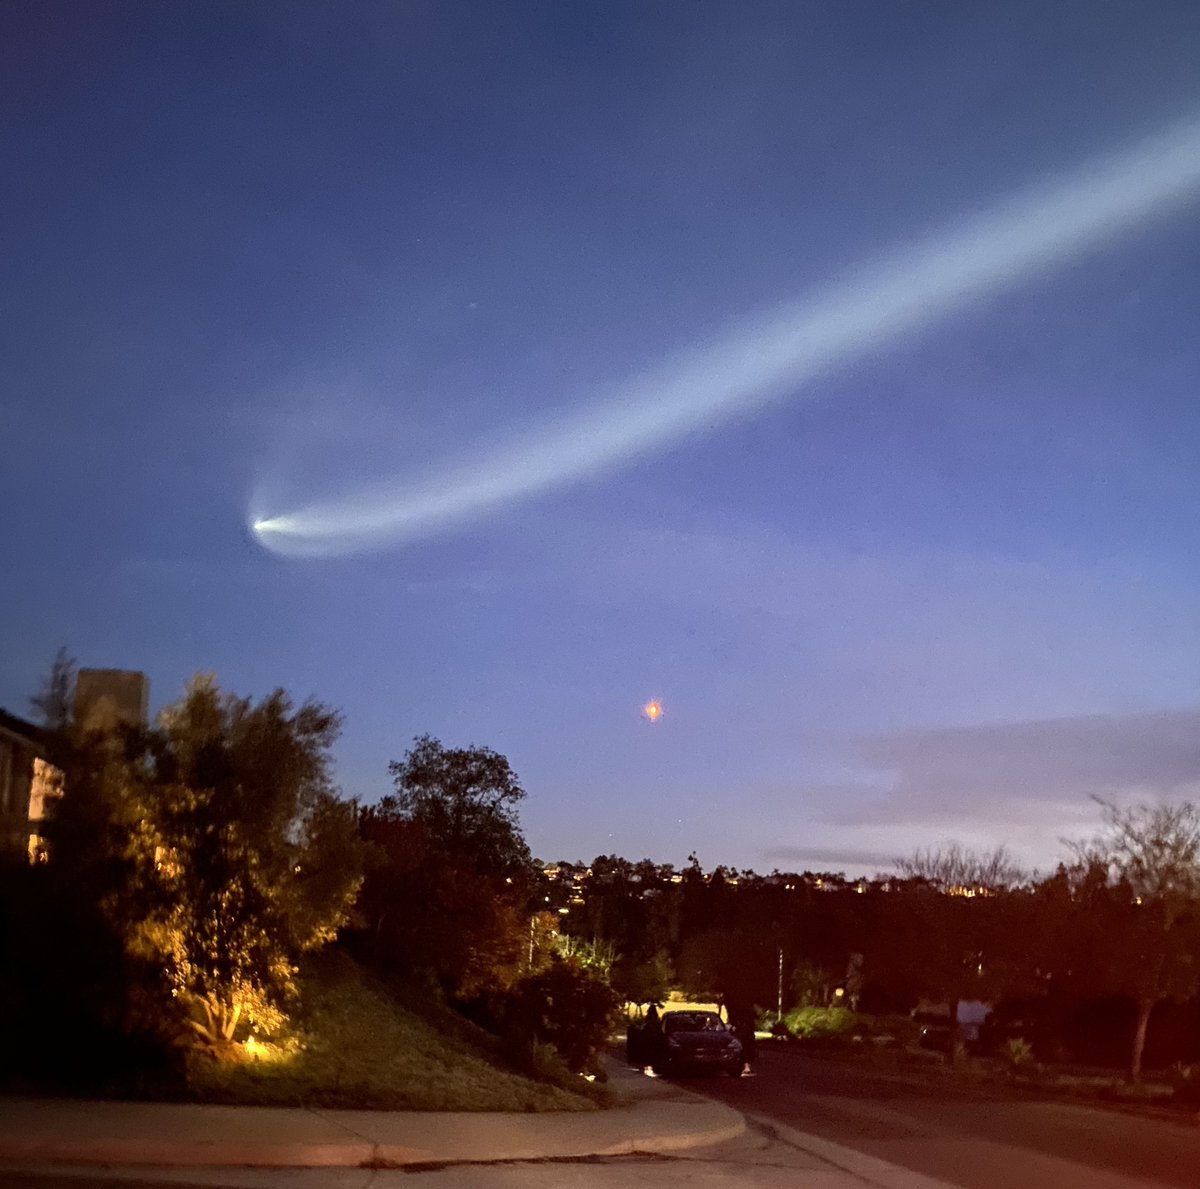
955	867
1148	859
1155	849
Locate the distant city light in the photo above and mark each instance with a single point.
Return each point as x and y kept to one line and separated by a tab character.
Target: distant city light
653	710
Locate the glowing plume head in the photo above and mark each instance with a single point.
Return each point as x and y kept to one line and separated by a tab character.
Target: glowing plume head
774	355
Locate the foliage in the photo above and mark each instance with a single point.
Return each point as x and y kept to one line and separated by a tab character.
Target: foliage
635	906
464	802
52	704
960	928
450	890
64	990
812	985
1129	909
733	965
595	955
238	856
641	982
569	1006
424	909
1017	1053
822	1023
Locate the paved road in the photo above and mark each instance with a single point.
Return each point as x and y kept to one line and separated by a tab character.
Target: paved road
982	1141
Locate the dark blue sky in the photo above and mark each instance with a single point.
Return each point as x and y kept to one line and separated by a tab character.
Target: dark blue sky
945	593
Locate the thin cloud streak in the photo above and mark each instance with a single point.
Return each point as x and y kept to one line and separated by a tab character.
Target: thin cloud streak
1030	786
831	858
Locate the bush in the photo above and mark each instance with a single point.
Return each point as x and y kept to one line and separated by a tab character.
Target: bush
823	1023
1017	1053
568	1006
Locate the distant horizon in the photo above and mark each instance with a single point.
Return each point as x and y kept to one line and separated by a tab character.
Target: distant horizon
1165	738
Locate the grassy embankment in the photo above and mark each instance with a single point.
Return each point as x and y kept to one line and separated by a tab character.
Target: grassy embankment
354	1045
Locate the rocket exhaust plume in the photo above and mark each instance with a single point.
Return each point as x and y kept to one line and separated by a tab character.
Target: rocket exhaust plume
774	356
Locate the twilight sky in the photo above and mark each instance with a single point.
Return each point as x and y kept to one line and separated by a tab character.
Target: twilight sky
264	257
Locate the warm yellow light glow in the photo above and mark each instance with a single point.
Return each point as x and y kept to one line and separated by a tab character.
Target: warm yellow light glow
255	1048
653	710
271	1052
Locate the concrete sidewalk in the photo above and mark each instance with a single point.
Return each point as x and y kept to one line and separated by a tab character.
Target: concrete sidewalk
660	1118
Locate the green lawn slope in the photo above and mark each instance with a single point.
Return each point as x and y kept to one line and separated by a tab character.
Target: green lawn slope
354	1045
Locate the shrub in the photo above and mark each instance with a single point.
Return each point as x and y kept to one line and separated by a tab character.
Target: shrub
1017	1053
568	1006
822	1023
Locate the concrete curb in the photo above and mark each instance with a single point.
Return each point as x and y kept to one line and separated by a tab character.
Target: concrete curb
45	1132
131	1153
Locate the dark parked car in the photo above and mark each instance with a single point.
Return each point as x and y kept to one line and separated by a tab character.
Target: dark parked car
696	1042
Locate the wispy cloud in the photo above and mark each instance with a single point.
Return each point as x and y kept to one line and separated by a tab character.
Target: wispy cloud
1010	770
831	858
1027	785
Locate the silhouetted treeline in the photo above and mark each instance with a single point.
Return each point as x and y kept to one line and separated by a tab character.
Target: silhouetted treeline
1090	964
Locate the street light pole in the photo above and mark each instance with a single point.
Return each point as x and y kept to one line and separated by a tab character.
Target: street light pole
779	996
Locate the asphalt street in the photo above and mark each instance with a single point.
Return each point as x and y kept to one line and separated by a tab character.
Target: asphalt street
973	1139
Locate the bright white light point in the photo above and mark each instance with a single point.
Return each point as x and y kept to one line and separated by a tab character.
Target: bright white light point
653	710
776	356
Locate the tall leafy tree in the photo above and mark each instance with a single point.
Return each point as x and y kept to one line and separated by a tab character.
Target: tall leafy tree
464	800
240	857
452	891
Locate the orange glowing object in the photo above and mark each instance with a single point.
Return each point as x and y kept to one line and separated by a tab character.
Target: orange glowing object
653	710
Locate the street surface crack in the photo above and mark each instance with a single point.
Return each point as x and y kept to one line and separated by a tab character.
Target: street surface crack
439	1165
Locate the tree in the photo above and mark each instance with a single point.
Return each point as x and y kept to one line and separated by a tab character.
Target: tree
239	855
464	800
452	893
1136	889
731	965
645	981
954	930
567	1005
424	913
635	906
52	704
956	870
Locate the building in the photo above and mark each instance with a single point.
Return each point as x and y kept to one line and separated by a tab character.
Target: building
26	782
108	698
29	784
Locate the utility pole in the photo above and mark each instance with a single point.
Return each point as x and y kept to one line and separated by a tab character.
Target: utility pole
779	996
